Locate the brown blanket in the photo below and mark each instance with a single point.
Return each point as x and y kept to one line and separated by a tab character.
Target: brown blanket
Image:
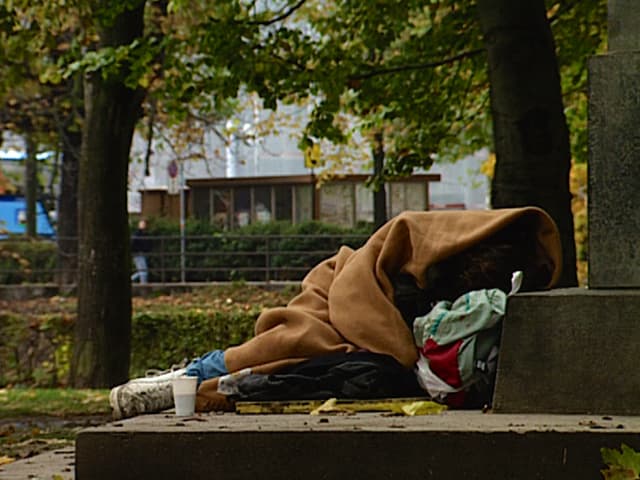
346	302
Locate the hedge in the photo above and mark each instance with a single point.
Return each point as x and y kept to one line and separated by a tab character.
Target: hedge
36	347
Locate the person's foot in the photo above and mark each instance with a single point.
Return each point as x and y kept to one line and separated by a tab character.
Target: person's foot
143	395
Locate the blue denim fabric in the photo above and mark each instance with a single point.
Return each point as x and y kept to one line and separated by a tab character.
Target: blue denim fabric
141	274
210	365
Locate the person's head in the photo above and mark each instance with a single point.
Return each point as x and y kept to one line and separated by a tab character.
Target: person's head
142	224
488	264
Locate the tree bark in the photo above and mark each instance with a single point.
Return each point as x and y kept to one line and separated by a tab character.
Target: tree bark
67	226
531	137
103	330
30	186
380	193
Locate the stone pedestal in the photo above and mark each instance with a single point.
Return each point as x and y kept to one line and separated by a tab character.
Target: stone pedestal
614	171
570	351
575	350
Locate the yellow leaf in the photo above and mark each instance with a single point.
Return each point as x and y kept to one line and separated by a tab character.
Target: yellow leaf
426	407
144	81
4	460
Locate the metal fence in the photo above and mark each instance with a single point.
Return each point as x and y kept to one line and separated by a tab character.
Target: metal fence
204	258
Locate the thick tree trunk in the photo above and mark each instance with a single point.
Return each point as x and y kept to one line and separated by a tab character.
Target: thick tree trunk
380	194
530	130
103	330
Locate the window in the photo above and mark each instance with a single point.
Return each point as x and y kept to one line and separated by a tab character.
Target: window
364	203
241	206
201	205
336	203
303	207
222	208
396	198
283	202
407	196
262	204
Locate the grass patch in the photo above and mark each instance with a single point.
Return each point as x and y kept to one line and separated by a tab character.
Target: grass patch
57	402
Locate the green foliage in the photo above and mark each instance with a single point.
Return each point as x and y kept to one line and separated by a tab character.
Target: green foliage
241	254
36	336
27	261
160	339
35	349
623	464
415	71
59	402
580	31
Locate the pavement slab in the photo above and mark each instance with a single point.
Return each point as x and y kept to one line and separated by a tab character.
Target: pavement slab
452	444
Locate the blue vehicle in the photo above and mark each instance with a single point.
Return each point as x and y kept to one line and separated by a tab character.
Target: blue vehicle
13	217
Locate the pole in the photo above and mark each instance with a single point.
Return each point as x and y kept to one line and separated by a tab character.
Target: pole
182	225
313	195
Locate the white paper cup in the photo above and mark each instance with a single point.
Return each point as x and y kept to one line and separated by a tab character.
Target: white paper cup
184	395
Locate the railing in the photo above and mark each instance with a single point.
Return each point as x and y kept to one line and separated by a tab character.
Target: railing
208	258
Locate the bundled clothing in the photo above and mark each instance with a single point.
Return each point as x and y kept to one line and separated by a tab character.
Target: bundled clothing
458	348
347	302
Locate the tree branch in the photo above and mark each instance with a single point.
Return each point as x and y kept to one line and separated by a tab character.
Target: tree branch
281	17
422	66
266	23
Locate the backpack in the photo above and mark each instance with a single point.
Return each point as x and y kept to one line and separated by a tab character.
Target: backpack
458	343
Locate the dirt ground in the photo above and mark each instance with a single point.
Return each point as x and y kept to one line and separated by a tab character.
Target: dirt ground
24	437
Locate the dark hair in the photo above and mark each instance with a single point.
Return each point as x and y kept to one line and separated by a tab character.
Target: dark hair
488	264
485	265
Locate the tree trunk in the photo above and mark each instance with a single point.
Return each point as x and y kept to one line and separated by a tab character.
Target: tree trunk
67	227
531	137
30	186
380	192
103	330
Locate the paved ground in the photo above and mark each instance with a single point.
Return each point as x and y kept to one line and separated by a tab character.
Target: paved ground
52	465
59	464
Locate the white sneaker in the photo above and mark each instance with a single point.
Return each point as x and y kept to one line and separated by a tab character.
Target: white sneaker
150	394
154	376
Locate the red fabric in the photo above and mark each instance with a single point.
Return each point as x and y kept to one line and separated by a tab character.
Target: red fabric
443	361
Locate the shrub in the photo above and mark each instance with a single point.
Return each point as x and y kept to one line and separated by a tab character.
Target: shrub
246	253
36	336
26	260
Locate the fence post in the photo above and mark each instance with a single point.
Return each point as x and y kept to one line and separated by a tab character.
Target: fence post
267	260
162	266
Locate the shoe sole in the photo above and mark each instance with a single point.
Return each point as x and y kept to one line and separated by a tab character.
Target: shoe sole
116	412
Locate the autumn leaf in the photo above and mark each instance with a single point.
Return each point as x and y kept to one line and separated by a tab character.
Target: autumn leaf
4	460
622	464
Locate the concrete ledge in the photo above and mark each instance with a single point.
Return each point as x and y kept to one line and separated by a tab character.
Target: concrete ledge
469	445
570	351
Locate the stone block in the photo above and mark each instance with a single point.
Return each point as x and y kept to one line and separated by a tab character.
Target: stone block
466	445
570	351
614	171
624	24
